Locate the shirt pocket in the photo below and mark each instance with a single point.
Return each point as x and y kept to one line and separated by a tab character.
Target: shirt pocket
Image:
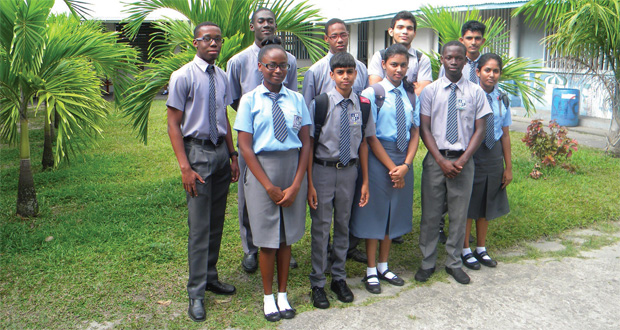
467	114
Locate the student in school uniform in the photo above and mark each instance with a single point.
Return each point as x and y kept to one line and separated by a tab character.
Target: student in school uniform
332	174
403	30
244	77
488	198
453	114
317	80
273	126
200	134
388	213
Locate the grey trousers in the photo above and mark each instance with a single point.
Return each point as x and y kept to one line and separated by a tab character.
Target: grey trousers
206	214
247	242
437	190
335	190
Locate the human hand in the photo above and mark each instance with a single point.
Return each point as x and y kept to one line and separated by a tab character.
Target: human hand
189	178
312	199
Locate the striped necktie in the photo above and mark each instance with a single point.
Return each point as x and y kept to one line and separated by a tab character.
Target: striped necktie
213	134
489	139
345	133
279	122
401	122
452	129
472	71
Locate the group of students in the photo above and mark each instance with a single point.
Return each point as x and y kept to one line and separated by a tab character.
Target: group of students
345	147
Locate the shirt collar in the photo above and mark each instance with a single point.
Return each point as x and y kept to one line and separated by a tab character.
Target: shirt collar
475	61
263	90
387	85
202	64
412	52
254	48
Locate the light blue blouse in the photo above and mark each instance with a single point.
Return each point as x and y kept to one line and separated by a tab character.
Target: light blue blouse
501	115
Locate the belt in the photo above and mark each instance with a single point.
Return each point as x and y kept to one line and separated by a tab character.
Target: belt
338	165
204	142
451	153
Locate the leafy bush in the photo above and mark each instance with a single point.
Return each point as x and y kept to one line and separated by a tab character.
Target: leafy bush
550	149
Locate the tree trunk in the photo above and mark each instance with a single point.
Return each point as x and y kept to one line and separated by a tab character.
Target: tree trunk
613	136
27	204
48	156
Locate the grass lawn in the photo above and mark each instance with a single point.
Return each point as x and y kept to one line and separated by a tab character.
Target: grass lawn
118	254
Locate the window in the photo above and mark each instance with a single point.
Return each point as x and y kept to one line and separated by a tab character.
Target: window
362	42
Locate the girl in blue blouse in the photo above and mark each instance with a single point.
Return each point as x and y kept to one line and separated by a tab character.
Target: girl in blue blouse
272	122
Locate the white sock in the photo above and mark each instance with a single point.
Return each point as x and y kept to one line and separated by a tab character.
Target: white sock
269	304
283	302
372	271
481	249
382	267
470	259
466	251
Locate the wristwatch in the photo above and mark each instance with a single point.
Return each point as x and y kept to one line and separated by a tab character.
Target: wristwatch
234	153
408	166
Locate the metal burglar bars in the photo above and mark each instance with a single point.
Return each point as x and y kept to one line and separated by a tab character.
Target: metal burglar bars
362	42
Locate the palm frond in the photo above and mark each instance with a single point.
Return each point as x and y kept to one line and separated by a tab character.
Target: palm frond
29	35
78	8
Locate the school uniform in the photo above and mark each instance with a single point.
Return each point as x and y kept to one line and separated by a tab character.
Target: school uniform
471	105
243	76
389	210
488	199
318	81
271	224
418	70
469	70
334	182
189	91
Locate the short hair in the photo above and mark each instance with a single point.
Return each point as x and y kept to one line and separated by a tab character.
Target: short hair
332	22
490	56
454	43
258	11
473	26
271	40
395	49
207	23
267	48
406	15
342	60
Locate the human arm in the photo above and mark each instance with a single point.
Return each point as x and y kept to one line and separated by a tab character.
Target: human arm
381	154
505	140
419	86
363	154
290	193
398	174
188	175
312	198
474	143
447	167
234	165
245	145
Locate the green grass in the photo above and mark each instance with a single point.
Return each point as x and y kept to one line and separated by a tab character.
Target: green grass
117	216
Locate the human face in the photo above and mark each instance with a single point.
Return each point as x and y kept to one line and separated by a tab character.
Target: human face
208	51
264	25
489	75
337	37
402	32
453	60
473	41
273	79
396	68
344	79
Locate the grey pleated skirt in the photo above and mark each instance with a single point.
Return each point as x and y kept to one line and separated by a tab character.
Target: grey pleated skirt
488	199
270	223
389	210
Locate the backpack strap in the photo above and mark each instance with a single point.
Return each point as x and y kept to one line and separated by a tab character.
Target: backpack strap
503	97
321	103
379	95
365	107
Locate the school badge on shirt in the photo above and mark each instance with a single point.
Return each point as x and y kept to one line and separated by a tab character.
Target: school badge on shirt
460	104
297	123
355	118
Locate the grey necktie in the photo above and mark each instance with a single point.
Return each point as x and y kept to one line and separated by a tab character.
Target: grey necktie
345	133
213	134
279	122
452	128
489	140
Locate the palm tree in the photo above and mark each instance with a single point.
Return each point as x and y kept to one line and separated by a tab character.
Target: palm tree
584	35
174	43
58	60
514	80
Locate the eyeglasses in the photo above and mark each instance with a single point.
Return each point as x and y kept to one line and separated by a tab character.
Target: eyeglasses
209	39
343	35
273	66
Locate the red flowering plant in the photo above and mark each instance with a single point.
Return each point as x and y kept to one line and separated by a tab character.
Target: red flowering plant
550	149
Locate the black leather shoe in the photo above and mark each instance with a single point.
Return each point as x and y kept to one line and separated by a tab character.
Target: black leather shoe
458	274
471	265
357	255
218	287
394	281
422	275
341	289
398	240
196	310
293	263
288	313
319	298
442	236
273	317
249	263
482	260
372	288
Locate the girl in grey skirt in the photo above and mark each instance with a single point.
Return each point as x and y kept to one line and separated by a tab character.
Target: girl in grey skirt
488	198
273	126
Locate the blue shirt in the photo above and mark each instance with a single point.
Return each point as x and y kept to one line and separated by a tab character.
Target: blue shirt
254	116
386	122
501	115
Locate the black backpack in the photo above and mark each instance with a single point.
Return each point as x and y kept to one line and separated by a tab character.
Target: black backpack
321	103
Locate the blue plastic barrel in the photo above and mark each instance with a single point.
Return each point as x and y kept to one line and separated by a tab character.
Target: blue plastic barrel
565	106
